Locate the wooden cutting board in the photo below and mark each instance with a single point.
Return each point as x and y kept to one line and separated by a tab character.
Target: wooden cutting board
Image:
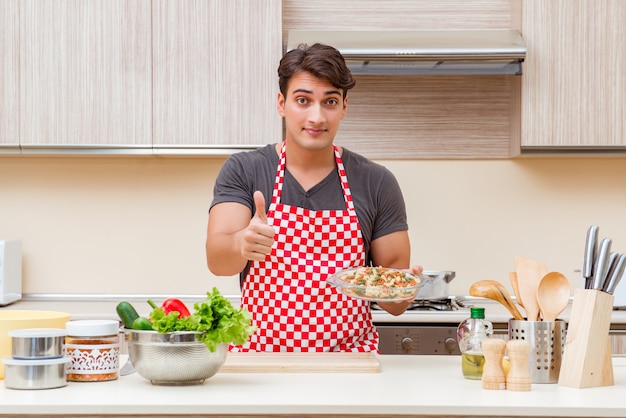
301	363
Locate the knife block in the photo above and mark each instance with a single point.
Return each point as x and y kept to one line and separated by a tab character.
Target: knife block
587	354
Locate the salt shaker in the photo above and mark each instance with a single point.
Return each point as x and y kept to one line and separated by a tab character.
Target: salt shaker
518	378
493	374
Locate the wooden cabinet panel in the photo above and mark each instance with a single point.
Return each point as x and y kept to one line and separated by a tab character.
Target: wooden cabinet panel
575	80
180	74
417	116
215	81
433	117
9	75
85	73
399	15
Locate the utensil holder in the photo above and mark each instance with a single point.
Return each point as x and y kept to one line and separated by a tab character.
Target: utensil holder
587	359
547	341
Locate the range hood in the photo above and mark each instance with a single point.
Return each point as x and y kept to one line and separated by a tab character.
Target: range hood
452	52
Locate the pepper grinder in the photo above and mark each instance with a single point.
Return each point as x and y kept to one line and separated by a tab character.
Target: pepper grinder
493	373
518	378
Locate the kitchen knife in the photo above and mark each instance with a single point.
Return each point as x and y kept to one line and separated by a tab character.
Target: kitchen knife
612	264
617	274
591	245
601	265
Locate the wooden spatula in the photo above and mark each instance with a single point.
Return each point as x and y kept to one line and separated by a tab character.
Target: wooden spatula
529	273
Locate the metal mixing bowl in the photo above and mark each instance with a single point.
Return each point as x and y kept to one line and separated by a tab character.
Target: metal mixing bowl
173	359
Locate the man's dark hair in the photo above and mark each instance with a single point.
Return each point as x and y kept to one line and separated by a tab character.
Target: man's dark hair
322	61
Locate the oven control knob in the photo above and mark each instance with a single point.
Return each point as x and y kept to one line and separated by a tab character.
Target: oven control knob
407	343
450	344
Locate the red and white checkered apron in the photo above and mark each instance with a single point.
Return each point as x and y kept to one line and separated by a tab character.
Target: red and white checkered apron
287	295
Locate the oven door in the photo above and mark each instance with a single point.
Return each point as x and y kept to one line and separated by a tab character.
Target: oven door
425	339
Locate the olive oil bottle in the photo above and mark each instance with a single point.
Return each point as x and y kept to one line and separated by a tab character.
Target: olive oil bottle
470	334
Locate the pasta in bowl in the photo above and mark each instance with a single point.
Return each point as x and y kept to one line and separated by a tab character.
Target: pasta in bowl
376	284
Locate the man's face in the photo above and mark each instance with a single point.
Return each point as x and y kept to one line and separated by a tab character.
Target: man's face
313	110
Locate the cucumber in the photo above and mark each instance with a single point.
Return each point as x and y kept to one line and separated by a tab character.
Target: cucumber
127	314
142	323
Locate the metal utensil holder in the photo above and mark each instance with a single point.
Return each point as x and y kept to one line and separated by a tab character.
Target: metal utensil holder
587	361
547	342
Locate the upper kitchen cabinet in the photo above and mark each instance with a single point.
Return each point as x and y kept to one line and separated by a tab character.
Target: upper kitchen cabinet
85	74
417	116
574	85
214	70
9	75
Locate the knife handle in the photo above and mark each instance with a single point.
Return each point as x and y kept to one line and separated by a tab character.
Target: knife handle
591	247
611	264
616	275
601	266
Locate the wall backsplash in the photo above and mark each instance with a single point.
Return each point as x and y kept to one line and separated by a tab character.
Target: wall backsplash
137	225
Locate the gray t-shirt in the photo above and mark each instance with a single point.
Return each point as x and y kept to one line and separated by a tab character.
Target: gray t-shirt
375	191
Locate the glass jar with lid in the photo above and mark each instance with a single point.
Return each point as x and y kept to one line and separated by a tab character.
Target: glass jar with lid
94	349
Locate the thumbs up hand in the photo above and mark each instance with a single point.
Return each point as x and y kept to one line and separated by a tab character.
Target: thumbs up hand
258	237
259	203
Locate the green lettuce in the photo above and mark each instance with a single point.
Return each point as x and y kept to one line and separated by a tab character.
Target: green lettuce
215	318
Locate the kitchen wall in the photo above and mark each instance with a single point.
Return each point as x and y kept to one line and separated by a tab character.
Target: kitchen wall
124	224
137	225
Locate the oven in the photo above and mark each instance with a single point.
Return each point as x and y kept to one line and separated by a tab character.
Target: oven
409	338
428	327
413	335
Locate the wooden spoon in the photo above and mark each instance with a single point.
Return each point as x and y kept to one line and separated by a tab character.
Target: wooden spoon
553	295
494	290
529	273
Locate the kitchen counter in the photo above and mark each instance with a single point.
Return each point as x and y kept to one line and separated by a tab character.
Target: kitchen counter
406	385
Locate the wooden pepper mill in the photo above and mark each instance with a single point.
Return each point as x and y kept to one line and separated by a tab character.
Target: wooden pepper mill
518	378
493	373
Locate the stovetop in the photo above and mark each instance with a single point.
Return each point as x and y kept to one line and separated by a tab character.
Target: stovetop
438	305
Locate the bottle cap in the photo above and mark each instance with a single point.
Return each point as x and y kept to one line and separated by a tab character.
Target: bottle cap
477	313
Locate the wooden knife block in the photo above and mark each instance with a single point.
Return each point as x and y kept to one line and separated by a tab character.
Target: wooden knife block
587	353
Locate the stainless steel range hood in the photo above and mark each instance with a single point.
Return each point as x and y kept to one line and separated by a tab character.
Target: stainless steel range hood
423	52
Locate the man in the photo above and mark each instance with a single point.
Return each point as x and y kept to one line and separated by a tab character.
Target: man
286	216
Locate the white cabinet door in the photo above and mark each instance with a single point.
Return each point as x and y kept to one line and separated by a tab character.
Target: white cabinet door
215	81
9	74
85	73
574	87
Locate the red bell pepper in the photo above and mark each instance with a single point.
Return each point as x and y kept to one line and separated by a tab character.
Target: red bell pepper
172	305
